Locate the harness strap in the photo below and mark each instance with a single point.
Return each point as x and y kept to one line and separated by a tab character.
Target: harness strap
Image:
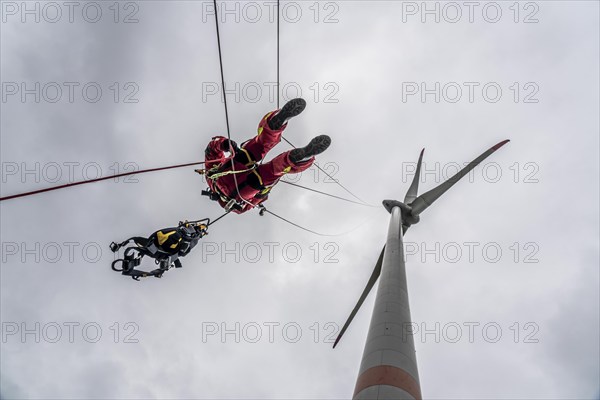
218	171
216	175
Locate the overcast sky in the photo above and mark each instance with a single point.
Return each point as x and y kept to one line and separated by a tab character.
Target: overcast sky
502	271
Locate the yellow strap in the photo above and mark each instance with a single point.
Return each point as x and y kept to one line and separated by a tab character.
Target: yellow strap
250	161
259	177
220	174
162	237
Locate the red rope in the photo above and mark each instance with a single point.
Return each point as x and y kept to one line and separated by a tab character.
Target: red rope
14	196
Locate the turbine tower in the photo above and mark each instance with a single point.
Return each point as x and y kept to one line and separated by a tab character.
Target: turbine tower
389	365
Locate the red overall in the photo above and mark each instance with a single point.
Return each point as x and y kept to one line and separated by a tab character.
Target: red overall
253	185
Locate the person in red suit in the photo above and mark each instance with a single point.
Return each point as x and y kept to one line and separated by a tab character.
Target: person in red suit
246	184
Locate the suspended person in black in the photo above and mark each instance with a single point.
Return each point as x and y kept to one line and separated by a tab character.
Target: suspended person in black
244	183
164	246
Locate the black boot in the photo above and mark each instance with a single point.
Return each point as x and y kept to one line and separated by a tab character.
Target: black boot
291	109
316	146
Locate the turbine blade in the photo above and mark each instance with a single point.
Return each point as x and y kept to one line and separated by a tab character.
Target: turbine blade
363	296
426	199
413	190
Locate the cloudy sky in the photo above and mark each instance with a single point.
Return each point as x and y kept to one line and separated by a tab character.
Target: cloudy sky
90	89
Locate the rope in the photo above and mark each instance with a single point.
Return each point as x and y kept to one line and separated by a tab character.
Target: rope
277	54
220	174
234	173
306	229
96	180
226	112
222	75
362	202
261	161
327	194
213	222
335	180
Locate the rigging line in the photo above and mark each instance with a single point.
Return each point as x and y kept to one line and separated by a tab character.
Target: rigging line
277	54
261	161
296	225
97	180
332	178
213	222
225	103
222	75
278	105
327	194
309	230
290	143
278	96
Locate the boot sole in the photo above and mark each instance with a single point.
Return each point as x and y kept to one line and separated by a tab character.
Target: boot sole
293	108
317	145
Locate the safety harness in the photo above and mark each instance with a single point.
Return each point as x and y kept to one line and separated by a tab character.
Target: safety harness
218	171
164	246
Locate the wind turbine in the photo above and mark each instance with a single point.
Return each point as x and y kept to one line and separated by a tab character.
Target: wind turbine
389	366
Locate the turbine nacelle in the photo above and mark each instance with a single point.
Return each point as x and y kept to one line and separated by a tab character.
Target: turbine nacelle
408	217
